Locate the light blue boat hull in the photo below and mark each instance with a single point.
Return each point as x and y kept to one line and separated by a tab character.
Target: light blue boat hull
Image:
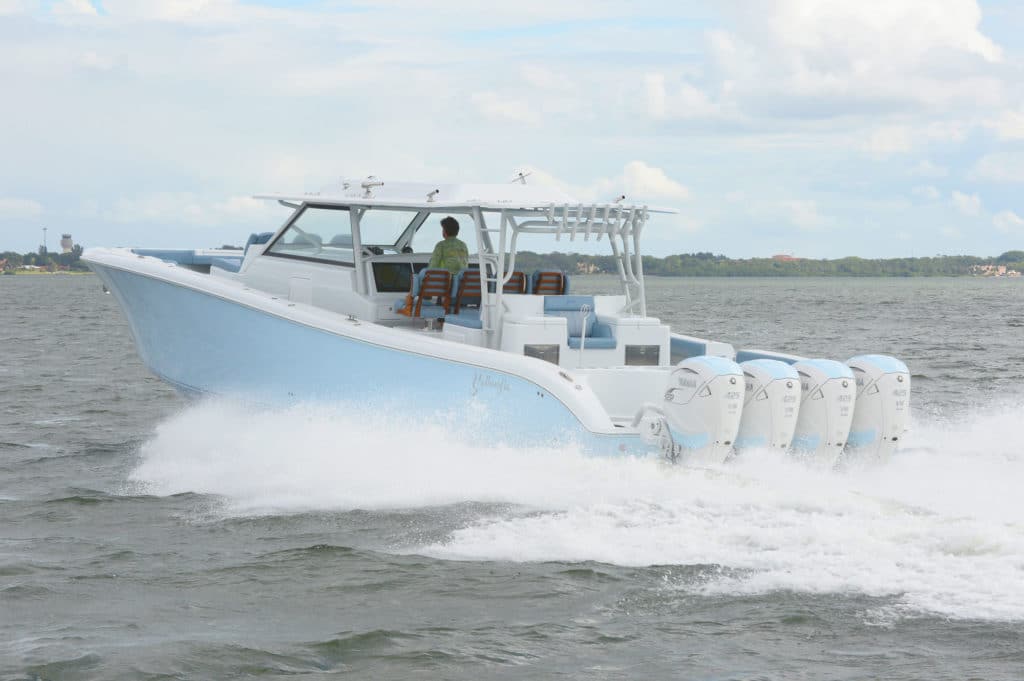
206	345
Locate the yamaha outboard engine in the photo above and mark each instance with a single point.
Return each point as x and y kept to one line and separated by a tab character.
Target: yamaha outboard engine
703	403
828	391
883	406
771	405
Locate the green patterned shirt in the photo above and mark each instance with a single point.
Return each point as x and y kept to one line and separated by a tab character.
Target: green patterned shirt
450	254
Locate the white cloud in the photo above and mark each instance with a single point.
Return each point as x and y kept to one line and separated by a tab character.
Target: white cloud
472	13
500	108
968	204
782	97
185	207
889	140
680	100
1000	166
544	78
921	51
657	99
243	208
1008	221
9	7
546	179
906	29
684	223
163	207
926	168
644	180
74	7
950	232
895	139
1009	125
803	213
93	60
18	209
641	182
326	79
202	11
638	181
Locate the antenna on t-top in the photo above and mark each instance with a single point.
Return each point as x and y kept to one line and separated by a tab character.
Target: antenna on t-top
368	184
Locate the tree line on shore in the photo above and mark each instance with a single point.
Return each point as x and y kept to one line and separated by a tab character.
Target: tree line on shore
43	259
680	265
711	265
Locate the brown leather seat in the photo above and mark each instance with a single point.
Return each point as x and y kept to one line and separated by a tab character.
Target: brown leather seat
548	284
429	283
516	283
468	289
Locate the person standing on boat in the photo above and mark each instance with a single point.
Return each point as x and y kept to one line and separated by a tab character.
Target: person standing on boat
450	253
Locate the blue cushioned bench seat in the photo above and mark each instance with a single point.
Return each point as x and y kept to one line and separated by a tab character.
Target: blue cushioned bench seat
254	238
468	317
431	311
229	264
579	325
602	339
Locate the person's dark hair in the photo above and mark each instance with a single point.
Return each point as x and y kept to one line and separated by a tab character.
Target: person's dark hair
450	226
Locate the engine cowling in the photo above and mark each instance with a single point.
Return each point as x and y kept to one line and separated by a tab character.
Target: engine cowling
828	391
703	403
770	406
883	406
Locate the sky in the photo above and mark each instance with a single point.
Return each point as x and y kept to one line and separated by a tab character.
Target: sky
817	128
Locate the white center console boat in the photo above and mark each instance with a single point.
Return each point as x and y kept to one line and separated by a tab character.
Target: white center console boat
340	305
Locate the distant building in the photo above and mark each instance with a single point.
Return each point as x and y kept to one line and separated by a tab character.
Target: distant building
784	257
66	243
993	271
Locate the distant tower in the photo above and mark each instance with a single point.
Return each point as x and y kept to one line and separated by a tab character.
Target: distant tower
66	243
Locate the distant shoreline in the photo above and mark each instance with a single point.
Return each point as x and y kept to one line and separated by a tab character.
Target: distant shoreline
34	273
1007	265
30	273
1010	265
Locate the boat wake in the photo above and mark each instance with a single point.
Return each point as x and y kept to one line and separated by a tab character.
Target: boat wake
940	527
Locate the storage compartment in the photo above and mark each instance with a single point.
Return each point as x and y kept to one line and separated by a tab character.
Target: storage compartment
520	333
546	352
643	355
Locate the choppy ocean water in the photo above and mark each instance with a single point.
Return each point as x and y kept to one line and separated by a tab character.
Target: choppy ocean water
146	537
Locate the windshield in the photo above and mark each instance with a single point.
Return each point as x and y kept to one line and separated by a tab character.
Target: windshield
323	234
378	227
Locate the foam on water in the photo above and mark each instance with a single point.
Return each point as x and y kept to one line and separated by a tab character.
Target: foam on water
940	527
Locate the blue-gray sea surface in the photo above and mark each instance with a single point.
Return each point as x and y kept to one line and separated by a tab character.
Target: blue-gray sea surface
146	537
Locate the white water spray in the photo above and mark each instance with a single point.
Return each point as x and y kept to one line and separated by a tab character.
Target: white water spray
941	526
